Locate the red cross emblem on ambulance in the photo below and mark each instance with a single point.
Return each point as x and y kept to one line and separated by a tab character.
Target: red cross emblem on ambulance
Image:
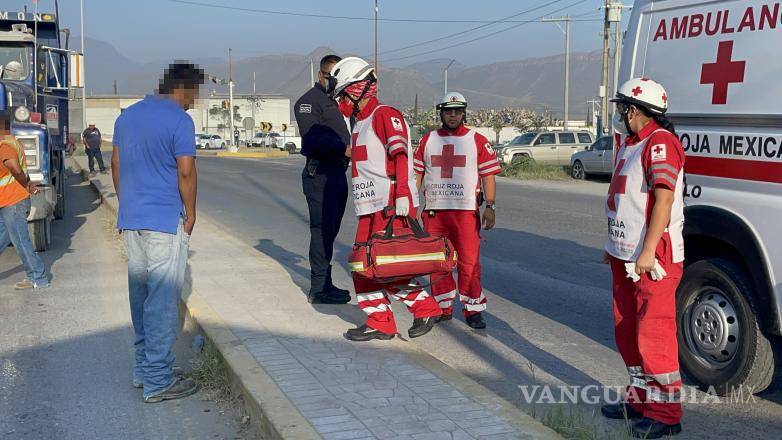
722	73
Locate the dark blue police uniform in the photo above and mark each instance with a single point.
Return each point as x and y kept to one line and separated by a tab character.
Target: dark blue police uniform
325	136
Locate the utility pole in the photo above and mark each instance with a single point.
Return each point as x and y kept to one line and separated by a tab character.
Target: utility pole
603	92
84	77
565	19
616	18
115	87
312	72
254	102
446	76
377	66
231	100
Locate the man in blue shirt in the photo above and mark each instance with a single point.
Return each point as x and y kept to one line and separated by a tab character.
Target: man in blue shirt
153	168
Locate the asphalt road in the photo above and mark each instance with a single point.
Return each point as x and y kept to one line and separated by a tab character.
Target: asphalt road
549	307
65	352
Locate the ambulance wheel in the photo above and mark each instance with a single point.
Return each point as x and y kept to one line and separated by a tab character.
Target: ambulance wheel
577	171
41	234
721	344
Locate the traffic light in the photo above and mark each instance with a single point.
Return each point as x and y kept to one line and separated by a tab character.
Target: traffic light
224	104
284	127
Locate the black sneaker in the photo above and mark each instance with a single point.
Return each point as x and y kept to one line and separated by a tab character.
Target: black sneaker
366	333
327	297
422	326
619	411
445	317
178	372
179	389
476	321
650	428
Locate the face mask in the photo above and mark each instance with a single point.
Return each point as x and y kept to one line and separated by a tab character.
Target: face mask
345	107
618	124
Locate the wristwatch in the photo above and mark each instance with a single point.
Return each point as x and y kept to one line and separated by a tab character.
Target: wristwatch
491	206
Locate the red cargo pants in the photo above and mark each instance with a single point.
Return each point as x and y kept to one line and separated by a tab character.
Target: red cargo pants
645	332
463	229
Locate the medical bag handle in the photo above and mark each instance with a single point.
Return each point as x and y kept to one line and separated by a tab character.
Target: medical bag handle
418	231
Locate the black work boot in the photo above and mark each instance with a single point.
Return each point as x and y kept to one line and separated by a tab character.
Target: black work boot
422	326
650	428
327	297
366	333
476	321
446	316
619	411
336	292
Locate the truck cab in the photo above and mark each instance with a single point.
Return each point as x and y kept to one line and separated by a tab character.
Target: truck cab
717	61
35	80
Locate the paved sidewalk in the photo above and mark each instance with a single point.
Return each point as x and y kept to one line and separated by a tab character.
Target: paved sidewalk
66	352
312	382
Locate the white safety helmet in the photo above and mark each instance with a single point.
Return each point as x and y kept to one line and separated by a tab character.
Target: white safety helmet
645	93
452	100
348	71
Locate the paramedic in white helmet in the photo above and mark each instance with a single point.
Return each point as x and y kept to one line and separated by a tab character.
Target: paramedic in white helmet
456	167
645	248
383	184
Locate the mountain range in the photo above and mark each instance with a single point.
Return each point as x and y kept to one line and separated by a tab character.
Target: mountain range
533	83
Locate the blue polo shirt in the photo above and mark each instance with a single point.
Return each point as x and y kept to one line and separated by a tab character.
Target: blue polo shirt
150	135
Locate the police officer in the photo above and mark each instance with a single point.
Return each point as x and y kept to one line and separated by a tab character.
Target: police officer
325	136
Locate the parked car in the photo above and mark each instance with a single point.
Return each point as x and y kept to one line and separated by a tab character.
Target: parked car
210	141
258	140
547	147
598	158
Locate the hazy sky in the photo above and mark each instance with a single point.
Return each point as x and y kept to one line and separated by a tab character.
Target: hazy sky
147	30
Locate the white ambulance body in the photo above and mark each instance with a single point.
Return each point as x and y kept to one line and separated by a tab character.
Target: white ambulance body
721	64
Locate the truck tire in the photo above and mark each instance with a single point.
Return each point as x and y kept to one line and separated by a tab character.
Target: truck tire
59	204
41	234
721	344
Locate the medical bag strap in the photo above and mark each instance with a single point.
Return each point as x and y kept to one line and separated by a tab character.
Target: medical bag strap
418	231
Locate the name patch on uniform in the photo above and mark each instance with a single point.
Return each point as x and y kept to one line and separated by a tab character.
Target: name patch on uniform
305	108
396	123
658	152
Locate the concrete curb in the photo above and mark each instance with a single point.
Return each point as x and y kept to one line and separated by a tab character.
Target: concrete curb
247	155
274	416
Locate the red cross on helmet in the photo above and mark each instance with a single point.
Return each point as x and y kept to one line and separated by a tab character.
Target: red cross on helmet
452	100
643	92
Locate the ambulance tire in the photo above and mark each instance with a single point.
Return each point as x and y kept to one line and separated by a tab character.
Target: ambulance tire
743	360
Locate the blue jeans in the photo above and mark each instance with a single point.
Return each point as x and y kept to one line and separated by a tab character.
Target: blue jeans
13	229
156	273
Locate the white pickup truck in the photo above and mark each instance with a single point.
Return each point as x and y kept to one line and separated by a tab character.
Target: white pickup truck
282	141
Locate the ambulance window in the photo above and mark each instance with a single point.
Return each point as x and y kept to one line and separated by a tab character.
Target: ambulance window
584	138
546	139
567	138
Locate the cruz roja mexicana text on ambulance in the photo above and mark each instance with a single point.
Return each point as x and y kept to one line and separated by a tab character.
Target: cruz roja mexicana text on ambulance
756	146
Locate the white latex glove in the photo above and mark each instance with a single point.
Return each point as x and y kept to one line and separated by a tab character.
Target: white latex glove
657	273
402	206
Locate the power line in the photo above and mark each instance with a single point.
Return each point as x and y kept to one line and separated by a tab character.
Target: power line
471	29
333	17
536	20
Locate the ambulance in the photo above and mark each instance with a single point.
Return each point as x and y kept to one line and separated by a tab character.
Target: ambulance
721	64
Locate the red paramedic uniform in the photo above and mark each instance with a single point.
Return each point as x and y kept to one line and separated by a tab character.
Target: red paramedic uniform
382	172
645	311
452	164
